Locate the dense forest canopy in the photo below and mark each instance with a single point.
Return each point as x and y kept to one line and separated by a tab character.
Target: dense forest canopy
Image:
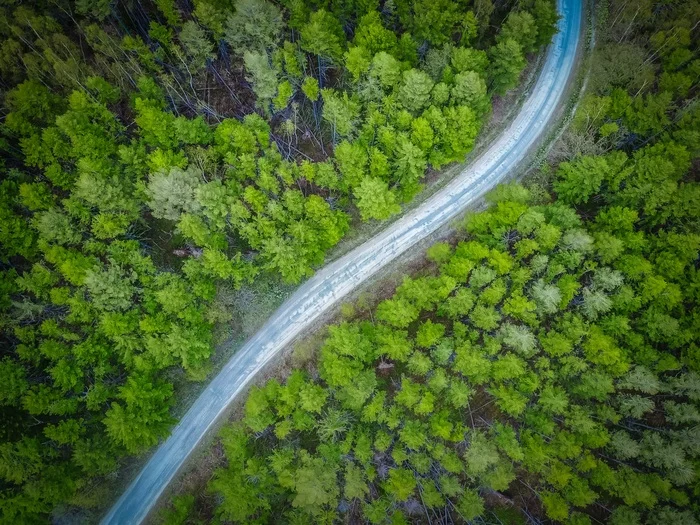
157	152
543	367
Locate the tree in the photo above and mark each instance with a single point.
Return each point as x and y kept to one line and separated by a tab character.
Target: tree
240	498
578	180
333	425
357	61
457	127
547	297
555	506
595	303
112	288
341	111
413	435
142	417
263	76
485	318
375	200
386	69
414	92
31	107
182	506
172	193
400	484
355	484
434	21
351	159
470	505
546	18
470	28
429	334
410	393
635	406
355	395
519	338
465	59
507	62
255	26
310	88
439	253
196	44
13	380
641	379
373	36
521	27
481	455
315	485
471	364
470	90
422	134
410	164
323	36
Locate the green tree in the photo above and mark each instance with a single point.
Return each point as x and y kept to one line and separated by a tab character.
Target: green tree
521	27
255	26
172	193
507	62
140	417
263	77
470	90
578	180
400	484
196	44
546	18
470	505
351	159
386	69
315	485
375	200
373	36
434	21
357	61
414	92
341	111
465	59
323	36
310	88
355	483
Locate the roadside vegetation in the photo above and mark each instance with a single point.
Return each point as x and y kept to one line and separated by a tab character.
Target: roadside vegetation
543	367
157	155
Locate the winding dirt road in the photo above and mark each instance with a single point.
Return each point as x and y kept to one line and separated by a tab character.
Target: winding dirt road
333	282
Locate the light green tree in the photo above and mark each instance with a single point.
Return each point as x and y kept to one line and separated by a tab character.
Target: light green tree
375	200
414	92
263	76
470	89
400	484
172	193
341	111
507	62
323	36
521	27
254	26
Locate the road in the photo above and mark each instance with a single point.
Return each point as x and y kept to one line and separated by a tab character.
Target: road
333	282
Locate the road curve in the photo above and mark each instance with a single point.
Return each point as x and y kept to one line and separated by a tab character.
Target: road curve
336	280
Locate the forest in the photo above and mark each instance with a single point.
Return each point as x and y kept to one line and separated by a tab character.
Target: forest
544	364
155	153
